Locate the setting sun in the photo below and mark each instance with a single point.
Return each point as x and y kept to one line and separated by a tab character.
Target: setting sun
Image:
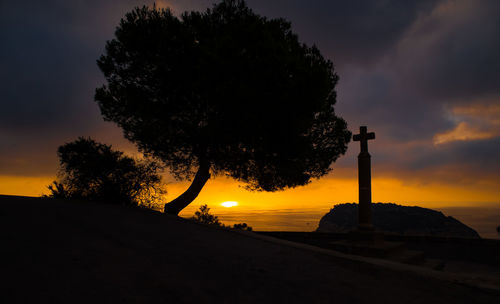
229	204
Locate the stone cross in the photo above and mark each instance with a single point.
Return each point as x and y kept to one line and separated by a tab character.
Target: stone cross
364	179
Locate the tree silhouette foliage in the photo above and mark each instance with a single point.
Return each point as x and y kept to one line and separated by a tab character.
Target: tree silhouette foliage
96	172
224	92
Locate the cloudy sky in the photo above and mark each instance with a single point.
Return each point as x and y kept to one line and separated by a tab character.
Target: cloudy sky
424	75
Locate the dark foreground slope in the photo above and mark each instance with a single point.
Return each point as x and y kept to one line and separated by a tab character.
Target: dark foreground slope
73	252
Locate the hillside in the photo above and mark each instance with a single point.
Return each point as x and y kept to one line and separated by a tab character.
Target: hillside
78	252
396	219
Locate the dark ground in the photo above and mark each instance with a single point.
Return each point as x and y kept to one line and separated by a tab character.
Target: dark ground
74	252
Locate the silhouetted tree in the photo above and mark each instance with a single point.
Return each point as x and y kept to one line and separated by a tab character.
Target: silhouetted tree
204	216
94	171
222	92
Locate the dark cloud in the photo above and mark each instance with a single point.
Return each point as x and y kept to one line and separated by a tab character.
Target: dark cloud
403	66
462	163
447	57
349	32
473	156
452	53
373	98
48	77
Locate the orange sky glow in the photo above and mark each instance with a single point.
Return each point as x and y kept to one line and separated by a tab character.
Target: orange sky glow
320	194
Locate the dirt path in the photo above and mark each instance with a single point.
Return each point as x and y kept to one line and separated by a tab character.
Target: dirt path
72	252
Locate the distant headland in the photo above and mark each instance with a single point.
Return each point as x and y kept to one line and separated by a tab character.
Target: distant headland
395	218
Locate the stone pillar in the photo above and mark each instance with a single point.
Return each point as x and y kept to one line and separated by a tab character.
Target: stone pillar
365	192
364	180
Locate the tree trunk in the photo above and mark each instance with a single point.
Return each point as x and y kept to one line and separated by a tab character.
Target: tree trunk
181	202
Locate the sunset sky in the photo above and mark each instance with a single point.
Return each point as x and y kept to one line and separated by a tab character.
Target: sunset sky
423	75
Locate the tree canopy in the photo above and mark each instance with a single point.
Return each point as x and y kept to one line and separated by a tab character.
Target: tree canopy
96	172
224	92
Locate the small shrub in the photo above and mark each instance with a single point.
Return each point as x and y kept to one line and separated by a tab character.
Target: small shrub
242	226
203	216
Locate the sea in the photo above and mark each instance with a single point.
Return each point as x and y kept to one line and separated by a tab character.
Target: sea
482	219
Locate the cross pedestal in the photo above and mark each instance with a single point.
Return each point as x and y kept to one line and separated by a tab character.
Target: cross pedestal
365	231
364	179
365	240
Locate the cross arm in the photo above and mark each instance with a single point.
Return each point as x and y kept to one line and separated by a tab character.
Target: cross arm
367	136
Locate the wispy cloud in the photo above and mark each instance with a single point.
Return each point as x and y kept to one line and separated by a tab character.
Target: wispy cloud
474	122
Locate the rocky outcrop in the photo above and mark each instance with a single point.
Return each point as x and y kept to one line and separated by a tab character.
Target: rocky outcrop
396	219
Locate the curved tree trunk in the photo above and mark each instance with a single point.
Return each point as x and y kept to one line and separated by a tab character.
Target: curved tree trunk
183	200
